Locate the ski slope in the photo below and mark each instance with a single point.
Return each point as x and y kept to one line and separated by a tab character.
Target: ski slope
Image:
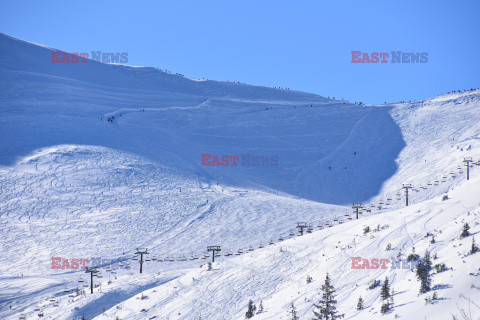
172	121
73	184
277	274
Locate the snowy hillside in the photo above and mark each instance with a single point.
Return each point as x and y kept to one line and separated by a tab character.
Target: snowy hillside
97	160
173	121
277	274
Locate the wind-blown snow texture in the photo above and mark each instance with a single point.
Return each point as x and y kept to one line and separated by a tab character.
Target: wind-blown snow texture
73	185
45	104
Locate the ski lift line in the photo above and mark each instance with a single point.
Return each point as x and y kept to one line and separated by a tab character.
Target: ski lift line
303	227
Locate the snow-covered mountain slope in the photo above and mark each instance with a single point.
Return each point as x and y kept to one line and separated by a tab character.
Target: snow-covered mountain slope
173	121
276	275
73	184
439	133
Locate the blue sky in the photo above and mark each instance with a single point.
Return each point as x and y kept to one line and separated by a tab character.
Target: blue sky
303	45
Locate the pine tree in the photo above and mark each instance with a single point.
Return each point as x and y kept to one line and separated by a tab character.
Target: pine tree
423	273
326	308
360	304
366	229
385	291
474	246
387	304
260	307
251	310
292	313
374	284
465	231
428	261
385	307
390	300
